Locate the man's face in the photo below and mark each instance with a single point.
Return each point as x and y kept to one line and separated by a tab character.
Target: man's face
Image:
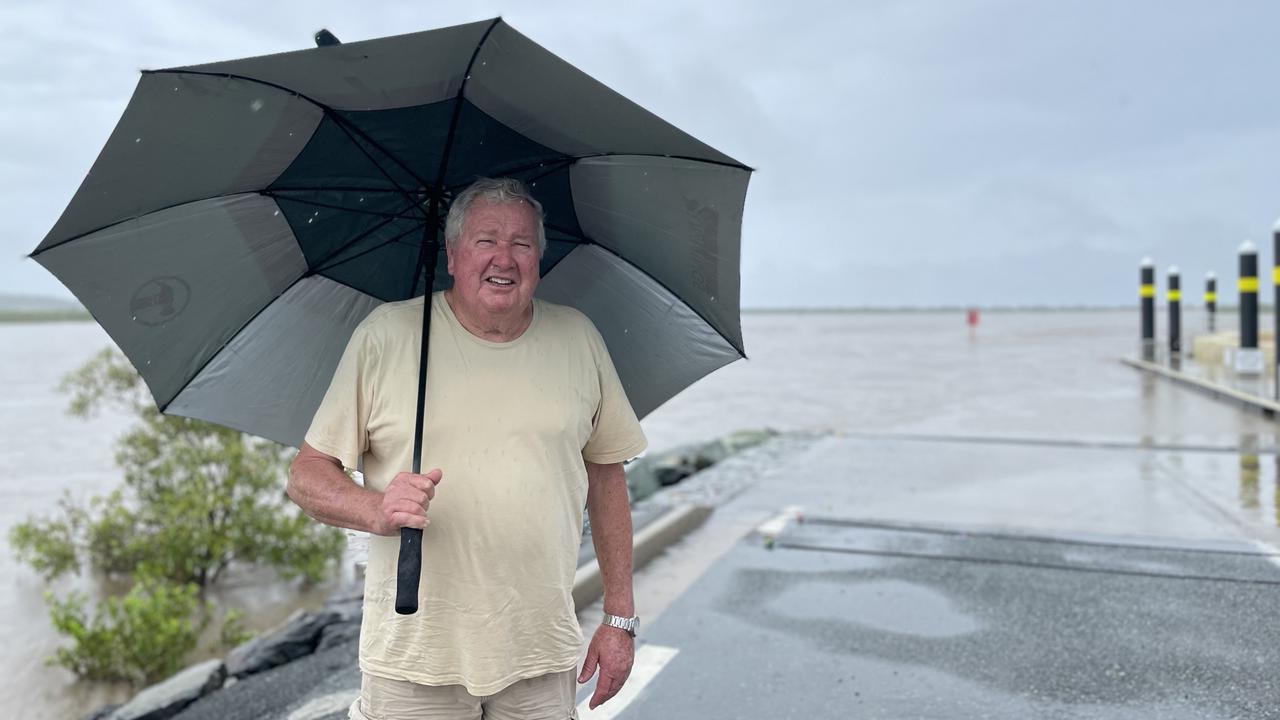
494	263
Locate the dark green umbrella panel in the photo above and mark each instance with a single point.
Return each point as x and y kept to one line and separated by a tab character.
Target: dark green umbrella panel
245	216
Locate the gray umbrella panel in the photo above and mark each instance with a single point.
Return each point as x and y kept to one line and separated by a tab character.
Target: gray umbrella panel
677	220
181	251
508	81
184	138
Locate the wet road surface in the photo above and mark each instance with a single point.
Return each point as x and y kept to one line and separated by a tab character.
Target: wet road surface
951	578
856	622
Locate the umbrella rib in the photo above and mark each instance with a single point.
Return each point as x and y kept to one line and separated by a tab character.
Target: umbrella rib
131	218
574	159
274	194
328	111
557	164
310	273
567	231
364	252
690	158
646	273
457	110
335	188
737	348
322	261
163	407
348	130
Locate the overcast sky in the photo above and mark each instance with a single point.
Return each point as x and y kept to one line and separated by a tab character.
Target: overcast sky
909	152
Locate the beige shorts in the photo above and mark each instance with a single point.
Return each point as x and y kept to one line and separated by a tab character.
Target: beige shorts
548	697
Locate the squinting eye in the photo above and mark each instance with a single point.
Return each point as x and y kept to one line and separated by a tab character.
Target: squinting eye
484	241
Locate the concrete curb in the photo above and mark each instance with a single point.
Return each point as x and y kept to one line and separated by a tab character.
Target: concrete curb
655	537
1263	405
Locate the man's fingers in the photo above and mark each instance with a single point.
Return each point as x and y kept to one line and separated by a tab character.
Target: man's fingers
403	519
418	496
421	482
405	505
606	688
405	502
588	666
418	482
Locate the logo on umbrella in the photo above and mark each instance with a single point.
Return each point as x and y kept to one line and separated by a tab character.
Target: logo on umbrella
159	300
704	226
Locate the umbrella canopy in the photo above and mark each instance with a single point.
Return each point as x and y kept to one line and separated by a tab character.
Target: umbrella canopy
245	216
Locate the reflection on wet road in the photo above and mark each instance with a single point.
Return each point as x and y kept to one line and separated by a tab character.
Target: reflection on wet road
1083	626
978	575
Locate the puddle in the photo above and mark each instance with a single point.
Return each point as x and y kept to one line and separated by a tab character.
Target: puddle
886	605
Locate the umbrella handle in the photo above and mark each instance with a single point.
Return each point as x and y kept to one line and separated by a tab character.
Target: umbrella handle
409	564
408	570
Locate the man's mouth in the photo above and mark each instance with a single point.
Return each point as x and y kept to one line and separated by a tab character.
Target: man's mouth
500	281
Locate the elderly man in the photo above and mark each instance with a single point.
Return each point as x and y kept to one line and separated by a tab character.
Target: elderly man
526	424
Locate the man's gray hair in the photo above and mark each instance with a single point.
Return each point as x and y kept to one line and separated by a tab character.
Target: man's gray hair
497	190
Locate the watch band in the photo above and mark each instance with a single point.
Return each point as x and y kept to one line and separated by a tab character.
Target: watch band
630	624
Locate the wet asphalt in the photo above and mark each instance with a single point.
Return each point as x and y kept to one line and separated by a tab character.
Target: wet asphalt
939	578
936	577
840	621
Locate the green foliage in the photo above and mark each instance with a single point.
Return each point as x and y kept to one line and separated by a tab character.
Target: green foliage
106	379
233	631
49	544
197	497
139	638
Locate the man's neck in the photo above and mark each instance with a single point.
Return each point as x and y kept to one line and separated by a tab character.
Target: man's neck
486	326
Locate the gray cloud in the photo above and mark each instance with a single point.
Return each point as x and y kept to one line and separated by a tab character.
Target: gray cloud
990	150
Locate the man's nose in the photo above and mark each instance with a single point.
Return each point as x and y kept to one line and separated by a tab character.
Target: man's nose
502	255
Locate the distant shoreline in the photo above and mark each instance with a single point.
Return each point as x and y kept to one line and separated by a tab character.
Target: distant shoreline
44	316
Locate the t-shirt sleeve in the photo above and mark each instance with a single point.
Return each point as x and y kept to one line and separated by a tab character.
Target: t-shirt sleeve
615	432
340	425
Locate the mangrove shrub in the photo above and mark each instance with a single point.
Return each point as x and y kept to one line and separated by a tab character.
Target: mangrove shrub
197	497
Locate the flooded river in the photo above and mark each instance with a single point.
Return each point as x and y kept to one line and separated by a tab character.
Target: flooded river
1018	377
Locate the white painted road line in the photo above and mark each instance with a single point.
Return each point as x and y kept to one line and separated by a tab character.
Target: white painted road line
1273	553
774	526
650	659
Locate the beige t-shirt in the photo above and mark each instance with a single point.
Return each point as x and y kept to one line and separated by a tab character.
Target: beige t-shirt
510	425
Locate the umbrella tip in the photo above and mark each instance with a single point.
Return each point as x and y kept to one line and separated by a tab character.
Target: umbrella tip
324	38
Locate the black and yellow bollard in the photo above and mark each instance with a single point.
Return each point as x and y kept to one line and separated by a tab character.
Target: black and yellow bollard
1147	291
1211	298
1275	309
1248	357
1174	294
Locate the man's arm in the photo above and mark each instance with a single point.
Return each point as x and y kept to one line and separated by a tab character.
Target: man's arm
319	486
612	649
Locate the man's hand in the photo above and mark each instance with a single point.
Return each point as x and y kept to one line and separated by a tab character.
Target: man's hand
612	650
405	502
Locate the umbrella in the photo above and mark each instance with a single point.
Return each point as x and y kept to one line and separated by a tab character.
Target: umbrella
245	216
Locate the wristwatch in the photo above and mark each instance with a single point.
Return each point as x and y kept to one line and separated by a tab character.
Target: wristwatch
630	624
